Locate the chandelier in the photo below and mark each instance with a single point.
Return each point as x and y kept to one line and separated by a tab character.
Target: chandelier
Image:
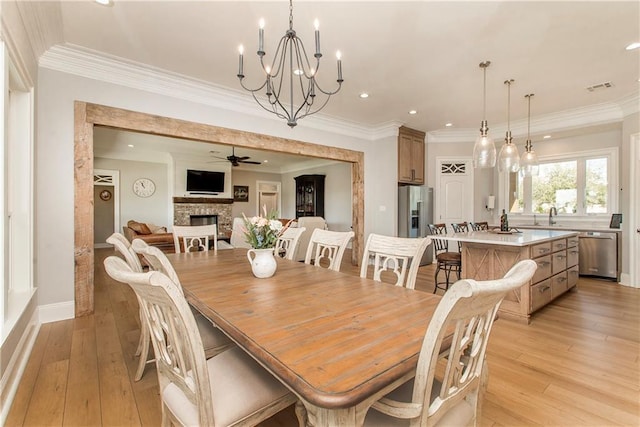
484	150
529	162
290	85
509	158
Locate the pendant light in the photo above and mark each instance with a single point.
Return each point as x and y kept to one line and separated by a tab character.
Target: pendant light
484	150
509	157
529	161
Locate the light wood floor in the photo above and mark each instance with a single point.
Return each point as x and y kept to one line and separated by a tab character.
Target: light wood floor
576	364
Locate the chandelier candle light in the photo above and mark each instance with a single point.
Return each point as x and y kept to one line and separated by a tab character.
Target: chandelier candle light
484	150
281	80
529	162
509	158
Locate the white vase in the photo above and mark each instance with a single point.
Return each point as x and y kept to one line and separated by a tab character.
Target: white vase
263	263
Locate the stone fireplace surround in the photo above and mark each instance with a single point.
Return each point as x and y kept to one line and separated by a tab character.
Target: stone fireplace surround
184	207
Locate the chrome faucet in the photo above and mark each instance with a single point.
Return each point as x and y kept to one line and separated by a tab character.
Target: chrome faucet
553	211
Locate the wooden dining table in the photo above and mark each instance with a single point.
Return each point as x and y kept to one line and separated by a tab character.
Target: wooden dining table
338	341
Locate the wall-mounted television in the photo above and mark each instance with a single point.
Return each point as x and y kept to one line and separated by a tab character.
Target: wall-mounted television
206	182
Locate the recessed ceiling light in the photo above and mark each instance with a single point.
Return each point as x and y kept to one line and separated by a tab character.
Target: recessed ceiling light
546	137
130	145
364	95
265	161
104	2
448	124
633	46
298	72
412	112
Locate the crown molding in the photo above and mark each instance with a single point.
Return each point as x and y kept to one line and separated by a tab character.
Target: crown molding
79	61
583	117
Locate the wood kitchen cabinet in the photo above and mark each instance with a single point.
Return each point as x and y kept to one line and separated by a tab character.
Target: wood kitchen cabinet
411	156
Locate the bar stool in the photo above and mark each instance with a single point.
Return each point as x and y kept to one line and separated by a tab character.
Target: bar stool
479	226
445	260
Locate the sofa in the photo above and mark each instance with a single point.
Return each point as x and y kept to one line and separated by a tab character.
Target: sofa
151	234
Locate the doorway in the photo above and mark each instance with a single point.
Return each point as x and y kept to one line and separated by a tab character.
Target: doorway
106	202
268	196
454	183
634	211
87	115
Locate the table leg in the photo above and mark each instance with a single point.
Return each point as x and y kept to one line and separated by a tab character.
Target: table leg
338	417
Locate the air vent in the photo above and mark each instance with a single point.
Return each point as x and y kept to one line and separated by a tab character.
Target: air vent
599	86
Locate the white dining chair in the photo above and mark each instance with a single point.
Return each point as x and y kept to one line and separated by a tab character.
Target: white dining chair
123	246
451	395
188	238
398	257
213	339
326	248
238	239
287	243
230	389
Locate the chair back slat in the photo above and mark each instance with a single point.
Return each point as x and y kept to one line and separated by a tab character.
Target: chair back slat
123	246
479	226
397	255
287	243
194	237
327	246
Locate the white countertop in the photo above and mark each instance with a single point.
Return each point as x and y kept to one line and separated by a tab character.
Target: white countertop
523	238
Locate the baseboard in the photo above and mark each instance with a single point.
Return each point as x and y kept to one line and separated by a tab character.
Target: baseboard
54	312
13	374
625	280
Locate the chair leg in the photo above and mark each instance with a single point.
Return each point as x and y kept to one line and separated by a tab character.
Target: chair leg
435	278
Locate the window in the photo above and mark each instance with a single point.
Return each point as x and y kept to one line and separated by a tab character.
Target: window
576	184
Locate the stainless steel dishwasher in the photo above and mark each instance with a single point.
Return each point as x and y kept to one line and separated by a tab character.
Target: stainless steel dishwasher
598	254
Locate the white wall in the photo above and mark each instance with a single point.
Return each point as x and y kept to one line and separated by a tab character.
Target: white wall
249	178
156	209
54	151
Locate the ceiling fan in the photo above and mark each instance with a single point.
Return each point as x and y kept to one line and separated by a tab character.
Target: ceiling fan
236	160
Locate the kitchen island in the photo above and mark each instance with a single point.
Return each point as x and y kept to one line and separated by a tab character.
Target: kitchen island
489	255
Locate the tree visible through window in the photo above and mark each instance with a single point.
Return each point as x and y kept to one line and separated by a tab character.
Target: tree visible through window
579	185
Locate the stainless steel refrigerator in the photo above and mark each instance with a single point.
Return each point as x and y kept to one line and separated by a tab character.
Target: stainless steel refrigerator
415	211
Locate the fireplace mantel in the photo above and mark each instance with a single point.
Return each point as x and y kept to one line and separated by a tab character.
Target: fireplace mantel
202	200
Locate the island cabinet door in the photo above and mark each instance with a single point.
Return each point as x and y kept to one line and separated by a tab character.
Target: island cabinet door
540	294
572	256
558	284
558	261
572	276
544	268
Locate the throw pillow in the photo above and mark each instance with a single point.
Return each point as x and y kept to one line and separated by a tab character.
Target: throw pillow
139	227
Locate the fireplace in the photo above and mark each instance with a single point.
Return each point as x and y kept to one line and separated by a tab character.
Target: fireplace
203	210
203	219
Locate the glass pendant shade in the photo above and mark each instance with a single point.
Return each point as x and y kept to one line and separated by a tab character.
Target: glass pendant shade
484	152
529	163
509	158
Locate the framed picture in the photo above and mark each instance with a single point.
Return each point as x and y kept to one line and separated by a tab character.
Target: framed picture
240	193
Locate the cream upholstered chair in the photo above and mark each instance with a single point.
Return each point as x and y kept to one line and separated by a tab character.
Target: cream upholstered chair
310	223
194	237
327	247
467	311
238	239
399	256
122	245
230	389
213	340
287	243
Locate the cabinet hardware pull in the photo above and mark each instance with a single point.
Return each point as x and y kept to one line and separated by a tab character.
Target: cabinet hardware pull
543	263
562	279
544	289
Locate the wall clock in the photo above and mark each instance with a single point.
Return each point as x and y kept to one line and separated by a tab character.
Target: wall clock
144	187
105	195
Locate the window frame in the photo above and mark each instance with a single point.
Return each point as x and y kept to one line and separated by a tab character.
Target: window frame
581	157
